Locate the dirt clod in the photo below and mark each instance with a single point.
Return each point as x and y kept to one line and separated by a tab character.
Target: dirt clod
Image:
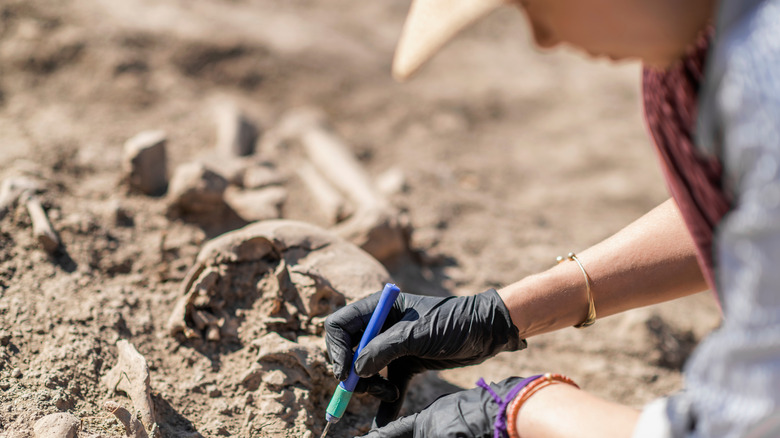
61	425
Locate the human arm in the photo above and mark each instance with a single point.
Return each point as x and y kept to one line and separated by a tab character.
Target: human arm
437	333
557	410
563	411
650	261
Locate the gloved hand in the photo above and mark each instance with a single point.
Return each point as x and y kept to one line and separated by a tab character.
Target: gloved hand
470	413
420	333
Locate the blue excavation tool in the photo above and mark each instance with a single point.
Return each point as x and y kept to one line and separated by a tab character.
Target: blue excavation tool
338	403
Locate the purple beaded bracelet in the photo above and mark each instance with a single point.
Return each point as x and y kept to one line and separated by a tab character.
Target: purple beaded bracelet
500	426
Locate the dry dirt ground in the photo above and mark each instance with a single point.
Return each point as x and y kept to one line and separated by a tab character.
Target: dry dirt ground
511	157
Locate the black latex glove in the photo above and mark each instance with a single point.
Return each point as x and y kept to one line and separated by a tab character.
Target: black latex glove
463	414
420	333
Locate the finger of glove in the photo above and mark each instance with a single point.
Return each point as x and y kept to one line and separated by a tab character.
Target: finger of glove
379	387
383	349
343	330
399	374
401	428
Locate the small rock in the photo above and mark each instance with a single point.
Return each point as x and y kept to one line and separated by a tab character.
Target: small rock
63	403
60	425
196	189
16	373
275	378
5	338
145	163
256	205
118	215
270	406
236	135
213	391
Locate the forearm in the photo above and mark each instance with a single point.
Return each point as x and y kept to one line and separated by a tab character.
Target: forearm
562	411
650	261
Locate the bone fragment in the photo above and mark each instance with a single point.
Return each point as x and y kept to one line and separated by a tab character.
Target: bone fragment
131	376
230	167
257	177
258	204
330	201
145	163
391	182
377	227
383	233
196	189
60	425
305	270
11	189
332	157
236	134
133	426
42	230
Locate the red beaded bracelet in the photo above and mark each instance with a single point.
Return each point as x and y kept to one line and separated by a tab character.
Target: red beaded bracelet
529	390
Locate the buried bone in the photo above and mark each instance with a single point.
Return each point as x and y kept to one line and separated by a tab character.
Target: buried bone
297	271
11	189
376	226
42	229
131	376
256	204
328	199
133	426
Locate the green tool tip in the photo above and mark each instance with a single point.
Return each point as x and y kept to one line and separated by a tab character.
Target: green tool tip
338	404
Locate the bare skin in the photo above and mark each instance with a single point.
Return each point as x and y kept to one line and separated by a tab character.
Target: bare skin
650	261
655	32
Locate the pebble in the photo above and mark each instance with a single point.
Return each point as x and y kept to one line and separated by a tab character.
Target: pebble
236	134
5	338
145	164
213	391
118	214
60	425
16	373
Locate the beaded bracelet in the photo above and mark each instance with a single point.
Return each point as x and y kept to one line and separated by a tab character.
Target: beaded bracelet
530	389
591	318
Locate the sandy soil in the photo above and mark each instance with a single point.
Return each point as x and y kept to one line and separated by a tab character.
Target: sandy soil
511	157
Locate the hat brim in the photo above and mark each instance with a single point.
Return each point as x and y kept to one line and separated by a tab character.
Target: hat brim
430	25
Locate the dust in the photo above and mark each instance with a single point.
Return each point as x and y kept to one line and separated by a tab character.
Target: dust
499	159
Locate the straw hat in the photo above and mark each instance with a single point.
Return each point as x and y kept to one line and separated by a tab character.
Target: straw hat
430	24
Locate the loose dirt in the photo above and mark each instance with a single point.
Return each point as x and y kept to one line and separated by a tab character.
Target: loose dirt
508	158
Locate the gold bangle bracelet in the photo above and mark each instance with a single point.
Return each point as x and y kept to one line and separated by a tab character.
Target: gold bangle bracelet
591	318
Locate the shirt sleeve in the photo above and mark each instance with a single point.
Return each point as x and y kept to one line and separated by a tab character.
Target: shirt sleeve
733	378
653	421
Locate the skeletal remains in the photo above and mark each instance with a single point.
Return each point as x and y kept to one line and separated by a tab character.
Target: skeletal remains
297	271
344	190
270	285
